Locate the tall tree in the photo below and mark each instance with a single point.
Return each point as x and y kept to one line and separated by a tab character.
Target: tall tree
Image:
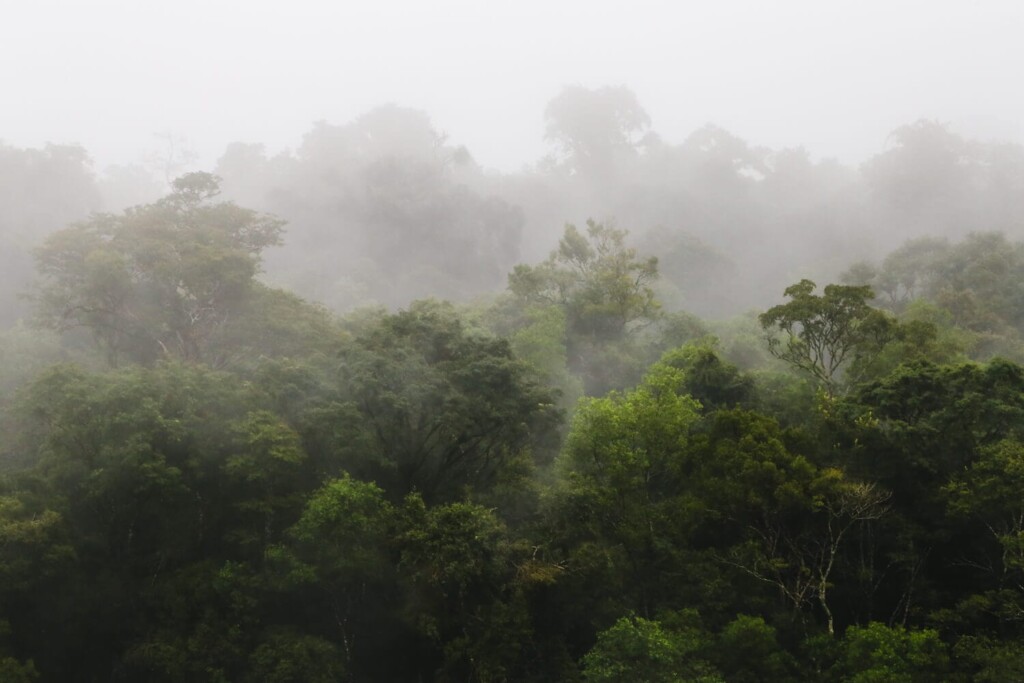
595	129
823	332
158	280
424	404
603	285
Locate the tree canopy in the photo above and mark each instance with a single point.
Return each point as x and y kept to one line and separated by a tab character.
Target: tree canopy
204	477
162	280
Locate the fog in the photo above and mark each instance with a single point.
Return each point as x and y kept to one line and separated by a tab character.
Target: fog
562	341
834	77
426	149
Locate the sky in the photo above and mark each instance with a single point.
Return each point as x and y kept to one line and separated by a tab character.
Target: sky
833	76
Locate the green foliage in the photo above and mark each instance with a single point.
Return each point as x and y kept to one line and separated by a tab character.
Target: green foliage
613	324
275	324
694	276
34	545
742	341
974	282
935	435
600	282
160	280
823	332
903	342
541	342
987	494
13	671
460	569
622	500
24	353
989	489
904	275
435	408
748	650
991	660
893	655
633	437
786	517
789	398
342	532
286	656
714	383
335	492
635	649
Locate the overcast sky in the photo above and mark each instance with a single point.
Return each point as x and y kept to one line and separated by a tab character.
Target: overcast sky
833	76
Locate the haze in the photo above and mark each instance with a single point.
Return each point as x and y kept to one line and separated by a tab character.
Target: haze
534	342
833	77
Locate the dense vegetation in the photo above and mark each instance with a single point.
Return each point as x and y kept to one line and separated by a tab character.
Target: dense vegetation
207	478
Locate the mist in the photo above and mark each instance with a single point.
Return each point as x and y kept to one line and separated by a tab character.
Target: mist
414	152
533	341
836	79
386	208
805	103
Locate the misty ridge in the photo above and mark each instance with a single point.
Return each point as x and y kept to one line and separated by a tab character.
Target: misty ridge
382	210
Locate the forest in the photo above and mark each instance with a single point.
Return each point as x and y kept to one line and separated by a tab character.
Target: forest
641	411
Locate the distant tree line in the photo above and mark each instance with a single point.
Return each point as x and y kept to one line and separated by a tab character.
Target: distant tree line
383	210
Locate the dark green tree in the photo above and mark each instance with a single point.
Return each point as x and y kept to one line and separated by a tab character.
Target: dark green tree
877	653
423	404
635	649
623	503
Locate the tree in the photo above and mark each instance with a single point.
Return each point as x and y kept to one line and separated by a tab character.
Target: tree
715	383
338	551
748	651
815	551
988	492
264	480
922	436
158	280
787	517
623	502
823	332
604	288
595	129
289	656
381	210
937	437
636	649
36	559
877	653
459	574
693	276
601	283
722	165
423	404
991	660
161	475
906	273
923	178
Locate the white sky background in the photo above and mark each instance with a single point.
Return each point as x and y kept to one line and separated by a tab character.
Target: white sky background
835	76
